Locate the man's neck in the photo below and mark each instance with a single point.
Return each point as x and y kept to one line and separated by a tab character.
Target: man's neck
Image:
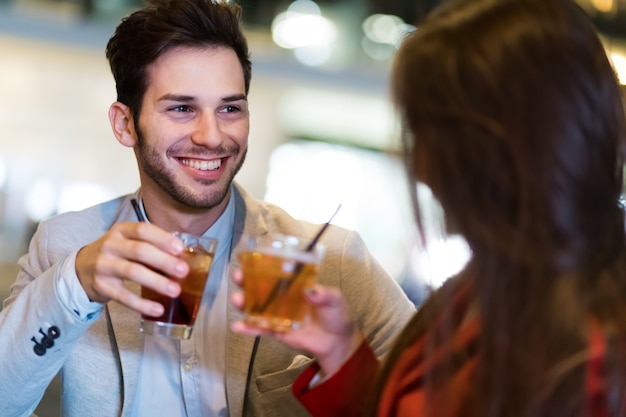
169	214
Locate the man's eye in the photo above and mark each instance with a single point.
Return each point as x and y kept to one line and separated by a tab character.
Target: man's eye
181	108
230	109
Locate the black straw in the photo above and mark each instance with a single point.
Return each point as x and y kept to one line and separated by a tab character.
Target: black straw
137	210
285	283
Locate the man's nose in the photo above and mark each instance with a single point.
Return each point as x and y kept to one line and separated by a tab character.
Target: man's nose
208	132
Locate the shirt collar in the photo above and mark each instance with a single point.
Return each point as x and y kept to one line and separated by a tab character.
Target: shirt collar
222	229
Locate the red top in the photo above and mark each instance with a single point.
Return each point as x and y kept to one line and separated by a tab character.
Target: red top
345	393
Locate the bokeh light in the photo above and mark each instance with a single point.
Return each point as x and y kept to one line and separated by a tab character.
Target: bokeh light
303	28
302	25
603	6
383	35
619	64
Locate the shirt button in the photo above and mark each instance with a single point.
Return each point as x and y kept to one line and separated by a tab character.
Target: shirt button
188	366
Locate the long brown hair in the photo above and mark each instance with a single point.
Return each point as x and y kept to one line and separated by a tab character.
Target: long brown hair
513	117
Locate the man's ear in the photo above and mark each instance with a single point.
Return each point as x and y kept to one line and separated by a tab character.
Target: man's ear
123	124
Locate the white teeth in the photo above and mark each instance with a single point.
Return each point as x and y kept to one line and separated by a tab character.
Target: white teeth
203	165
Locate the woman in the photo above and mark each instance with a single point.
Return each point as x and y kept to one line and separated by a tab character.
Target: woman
513	118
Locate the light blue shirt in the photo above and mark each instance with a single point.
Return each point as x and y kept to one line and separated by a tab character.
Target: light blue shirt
187	378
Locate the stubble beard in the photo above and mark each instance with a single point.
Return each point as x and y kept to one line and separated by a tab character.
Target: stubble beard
150	162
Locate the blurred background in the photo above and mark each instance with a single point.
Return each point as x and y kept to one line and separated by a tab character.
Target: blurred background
323	132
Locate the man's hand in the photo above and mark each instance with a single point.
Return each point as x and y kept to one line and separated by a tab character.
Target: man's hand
140	252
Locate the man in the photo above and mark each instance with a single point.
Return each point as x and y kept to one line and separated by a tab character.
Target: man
182	74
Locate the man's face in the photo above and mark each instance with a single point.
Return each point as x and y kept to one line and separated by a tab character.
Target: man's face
192	133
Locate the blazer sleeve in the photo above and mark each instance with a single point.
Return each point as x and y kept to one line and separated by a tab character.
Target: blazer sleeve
378	305
37	330
344	394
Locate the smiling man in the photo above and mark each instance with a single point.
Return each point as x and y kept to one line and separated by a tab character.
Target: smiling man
182	75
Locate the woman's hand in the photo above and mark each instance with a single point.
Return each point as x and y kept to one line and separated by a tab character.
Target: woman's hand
328	332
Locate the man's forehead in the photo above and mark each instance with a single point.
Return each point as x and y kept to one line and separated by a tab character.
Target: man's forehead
184	53
183	64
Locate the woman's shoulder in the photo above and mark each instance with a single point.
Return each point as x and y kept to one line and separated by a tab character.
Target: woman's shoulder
440	358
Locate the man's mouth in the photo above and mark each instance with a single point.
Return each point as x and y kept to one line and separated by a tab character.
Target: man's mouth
202	165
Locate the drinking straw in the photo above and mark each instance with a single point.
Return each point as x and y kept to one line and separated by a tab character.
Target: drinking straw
286	282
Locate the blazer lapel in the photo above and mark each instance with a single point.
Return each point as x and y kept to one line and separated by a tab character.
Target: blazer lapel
130	345
124	324
240	348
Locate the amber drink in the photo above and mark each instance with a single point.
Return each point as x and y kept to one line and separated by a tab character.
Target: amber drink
277	269
180	313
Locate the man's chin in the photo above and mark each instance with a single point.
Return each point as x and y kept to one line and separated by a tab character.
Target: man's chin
202	199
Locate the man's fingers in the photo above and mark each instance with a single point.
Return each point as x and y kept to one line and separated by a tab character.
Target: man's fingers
237	299
157	236
237	275
146	253
114	290
147	277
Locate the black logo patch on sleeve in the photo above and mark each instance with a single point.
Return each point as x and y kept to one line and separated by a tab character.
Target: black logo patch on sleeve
47	341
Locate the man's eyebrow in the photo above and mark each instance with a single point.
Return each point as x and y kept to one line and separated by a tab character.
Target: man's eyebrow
235	97
177	97
190	99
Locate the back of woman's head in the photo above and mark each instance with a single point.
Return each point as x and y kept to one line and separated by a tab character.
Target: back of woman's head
514	119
